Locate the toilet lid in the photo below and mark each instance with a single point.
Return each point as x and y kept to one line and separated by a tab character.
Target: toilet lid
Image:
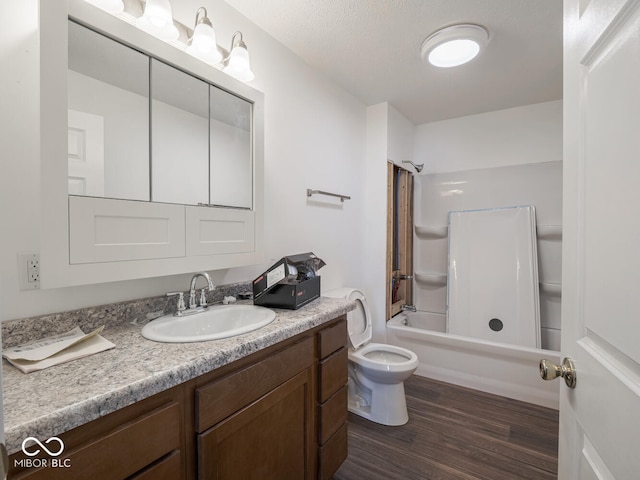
359	321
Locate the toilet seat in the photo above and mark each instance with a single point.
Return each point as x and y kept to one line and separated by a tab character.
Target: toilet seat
377	356
359	320
381	356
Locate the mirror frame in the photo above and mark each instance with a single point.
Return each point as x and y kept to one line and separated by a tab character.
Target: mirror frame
56	269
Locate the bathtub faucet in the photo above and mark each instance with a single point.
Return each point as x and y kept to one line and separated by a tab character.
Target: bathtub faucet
400	276
408	308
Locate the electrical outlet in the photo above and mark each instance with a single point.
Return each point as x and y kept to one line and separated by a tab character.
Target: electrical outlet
29	271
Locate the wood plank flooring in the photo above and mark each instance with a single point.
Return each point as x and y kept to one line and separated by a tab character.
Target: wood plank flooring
455	433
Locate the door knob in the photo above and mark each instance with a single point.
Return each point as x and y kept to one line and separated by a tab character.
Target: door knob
551	371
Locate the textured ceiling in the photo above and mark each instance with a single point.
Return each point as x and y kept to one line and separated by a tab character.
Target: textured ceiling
372	49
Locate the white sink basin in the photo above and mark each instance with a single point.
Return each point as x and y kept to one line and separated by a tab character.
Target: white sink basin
221	321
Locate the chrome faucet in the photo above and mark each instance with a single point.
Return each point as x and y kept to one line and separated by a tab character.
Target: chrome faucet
192	290
194	306
408	308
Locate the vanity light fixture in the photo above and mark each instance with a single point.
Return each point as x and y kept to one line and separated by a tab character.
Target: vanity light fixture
237	63
112	6
157	20
202	43
454	45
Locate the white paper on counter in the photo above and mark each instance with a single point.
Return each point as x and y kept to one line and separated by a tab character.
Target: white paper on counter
57	349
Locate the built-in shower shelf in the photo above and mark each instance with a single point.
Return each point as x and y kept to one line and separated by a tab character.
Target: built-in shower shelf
431	231
432	279
549	232
552	289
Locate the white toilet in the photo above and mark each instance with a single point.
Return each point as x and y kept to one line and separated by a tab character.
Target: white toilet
376	371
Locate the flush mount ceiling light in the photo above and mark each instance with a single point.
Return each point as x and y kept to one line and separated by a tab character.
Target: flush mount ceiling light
455	45
157	20
203	41
237	63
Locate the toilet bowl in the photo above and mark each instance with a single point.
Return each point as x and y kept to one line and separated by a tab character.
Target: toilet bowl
377	371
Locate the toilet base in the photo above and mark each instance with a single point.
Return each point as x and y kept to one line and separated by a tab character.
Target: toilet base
386	404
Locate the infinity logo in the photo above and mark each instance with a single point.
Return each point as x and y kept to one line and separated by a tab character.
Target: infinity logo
38	442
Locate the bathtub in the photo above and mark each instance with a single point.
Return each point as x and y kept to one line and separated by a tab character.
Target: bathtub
496	368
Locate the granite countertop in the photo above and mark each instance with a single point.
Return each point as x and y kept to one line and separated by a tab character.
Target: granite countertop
52	401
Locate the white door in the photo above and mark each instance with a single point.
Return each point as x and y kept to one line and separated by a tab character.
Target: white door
86	154
600	417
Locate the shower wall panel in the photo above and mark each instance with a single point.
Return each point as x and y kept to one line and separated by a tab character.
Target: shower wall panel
493	276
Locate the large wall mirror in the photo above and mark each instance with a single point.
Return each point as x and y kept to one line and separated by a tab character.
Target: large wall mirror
140	129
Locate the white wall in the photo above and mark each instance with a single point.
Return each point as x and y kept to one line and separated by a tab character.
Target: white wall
514	136
389	138
314	138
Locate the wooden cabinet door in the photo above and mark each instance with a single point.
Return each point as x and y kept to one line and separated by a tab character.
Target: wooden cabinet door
272	438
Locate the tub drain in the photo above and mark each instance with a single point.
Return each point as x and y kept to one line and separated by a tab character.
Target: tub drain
496	324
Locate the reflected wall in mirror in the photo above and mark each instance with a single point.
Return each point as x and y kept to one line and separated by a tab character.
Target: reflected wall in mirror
108	101
231	156
179	136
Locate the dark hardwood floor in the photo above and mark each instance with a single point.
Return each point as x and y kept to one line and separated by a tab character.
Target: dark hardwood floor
455	433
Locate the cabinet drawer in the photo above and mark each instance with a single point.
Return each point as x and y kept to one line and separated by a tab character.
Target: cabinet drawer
221	398
332	338
118	454
333	454
332	415
332	375
169	468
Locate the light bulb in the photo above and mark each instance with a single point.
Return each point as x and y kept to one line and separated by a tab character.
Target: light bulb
203	44
454	53
238	65
157	20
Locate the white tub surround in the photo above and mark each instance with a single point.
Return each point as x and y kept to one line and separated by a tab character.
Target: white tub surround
538	184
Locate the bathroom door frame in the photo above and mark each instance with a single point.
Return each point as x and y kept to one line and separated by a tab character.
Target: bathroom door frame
399	238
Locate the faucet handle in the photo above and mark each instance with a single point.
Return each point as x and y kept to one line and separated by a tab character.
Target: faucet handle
181	305
203	297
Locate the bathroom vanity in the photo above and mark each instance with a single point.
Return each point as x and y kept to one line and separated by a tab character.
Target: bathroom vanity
268	404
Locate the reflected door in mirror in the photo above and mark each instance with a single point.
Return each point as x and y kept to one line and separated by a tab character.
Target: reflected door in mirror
108	83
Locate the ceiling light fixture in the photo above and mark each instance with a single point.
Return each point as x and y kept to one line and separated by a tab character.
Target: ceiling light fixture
237	63
203	41
455	45
157	20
